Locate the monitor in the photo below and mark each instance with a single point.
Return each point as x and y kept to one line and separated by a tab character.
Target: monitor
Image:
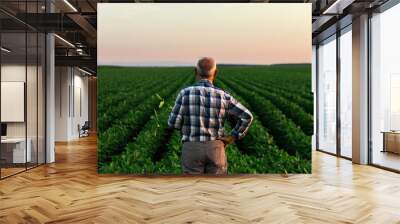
3	129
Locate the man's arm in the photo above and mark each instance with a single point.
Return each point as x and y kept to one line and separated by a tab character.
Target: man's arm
175	118
243	115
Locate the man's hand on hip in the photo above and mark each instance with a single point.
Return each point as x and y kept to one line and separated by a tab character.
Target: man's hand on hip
227	139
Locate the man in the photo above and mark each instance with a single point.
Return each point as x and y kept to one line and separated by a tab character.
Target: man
199	112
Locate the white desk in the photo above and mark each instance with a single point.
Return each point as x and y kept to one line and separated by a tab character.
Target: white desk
18	144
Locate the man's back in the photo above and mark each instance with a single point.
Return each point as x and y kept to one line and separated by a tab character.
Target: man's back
200	111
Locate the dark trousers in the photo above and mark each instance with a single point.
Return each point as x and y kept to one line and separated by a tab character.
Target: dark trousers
204	157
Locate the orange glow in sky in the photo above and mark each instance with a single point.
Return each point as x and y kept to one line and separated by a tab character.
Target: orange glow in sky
179	34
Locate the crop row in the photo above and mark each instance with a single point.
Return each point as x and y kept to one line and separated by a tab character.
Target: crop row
306	104
294	89
134	138
257	140
122	88
259	153
290	109
170	162
113	81
136	155
113	114
125	93
113	140
305	93
295	79
286	134
259	145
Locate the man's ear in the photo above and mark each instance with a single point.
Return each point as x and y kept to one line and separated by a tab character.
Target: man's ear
215	73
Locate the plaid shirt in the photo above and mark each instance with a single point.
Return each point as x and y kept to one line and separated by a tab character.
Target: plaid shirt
200	111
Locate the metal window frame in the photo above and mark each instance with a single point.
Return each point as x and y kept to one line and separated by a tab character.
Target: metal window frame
338	95
317	96
369	90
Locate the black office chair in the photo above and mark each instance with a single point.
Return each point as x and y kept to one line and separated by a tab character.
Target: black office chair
84	130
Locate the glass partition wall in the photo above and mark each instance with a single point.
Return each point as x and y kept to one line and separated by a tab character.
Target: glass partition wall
385	89
334	104
345	108
13	90
327	95
22	78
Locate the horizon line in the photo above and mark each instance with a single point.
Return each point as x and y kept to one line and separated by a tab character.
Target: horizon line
223	64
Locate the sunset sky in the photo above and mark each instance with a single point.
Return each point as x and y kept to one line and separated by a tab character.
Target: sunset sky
179	34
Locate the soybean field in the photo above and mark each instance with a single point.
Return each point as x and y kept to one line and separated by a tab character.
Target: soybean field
134	104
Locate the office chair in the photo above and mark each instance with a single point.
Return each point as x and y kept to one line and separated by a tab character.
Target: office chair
84	130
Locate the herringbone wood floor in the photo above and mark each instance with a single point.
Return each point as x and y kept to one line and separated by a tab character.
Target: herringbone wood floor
70	191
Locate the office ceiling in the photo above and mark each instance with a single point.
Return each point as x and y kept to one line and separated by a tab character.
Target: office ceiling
76	22
19	54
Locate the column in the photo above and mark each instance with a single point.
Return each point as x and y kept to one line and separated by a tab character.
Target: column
360	90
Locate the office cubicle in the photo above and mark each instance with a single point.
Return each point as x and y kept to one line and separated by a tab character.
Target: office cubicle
22	77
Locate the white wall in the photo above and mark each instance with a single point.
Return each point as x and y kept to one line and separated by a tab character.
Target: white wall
13	72
80	89
70	84
62	82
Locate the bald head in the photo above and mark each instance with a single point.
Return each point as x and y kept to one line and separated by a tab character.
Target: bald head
206	68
